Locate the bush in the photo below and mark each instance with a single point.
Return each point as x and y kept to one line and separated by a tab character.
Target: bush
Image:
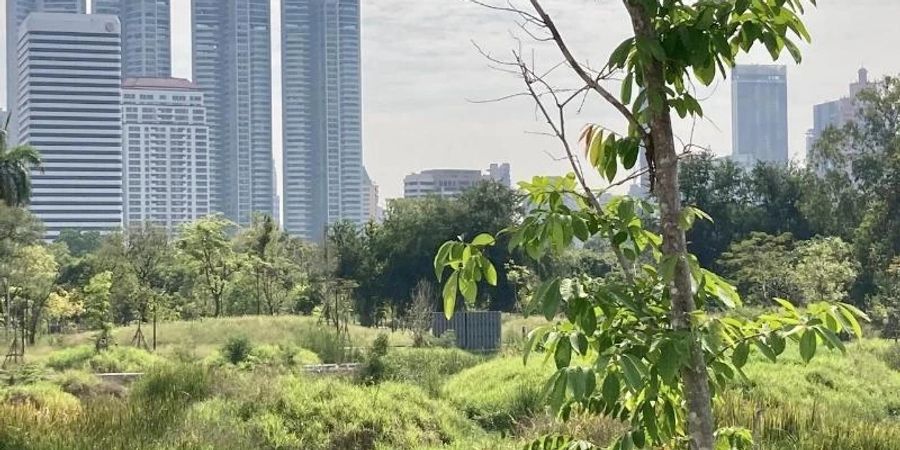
427	368
331	414
123	359
372	371
237	349
178	382
71	358
41	395
499	392
328	344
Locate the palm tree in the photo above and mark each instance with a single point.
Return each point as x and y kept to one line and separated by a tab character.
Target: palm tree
15	170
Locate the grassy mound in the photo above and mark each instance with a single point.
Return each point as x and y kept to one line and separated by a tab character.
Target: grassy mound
500	392
427	368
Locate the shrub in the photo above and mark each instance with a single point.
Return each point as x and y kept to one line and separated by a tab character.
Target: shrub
282	356
427	368
123	359
237	349
373	369
331	414
71	358
328	344
41	395
167	382
499	392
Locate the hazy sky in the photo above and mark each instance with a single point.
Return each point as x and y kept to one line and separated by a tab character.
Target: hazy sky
421	73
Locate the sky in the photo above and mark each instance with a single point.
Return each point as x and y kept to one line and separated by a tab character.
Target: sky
423	80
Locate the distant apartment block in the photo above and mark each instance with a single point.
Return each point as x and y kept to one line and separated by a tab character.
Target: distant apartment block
166	152
839	112
759	114
451	182
16	12
146	35
232	65
323	180
370	199
70	110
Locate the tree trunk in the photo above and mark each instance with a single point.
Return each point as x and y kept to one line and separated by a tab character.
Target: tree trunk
701	424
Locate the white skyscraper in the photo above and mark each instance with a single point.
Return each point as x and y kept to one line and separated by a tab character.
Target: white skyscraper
16	12
146	35
322	104
70	110
166	152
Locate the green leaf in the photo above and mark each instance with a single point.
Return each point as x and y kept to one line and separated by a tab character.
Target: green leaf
850	313
535	337
450	289
669	362
832	339
579	343
483	240
808	345
469	289
706	73
776	343
490	273
633	369
563	353
440	259
550	297
611	388
740	354
766	351
626	87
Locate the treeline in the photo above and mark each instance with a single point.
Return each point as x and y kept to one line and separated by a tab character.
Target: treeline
841	213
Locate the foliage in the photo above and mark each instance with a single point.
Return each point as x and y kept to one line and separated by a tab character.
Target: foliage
825	269
373	370
420	315
16	164
205	248
507	391
237	349
761	266
113	360
427	368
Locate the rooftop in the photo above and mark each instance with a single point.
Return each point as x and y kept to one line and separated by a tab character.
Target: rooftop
159	83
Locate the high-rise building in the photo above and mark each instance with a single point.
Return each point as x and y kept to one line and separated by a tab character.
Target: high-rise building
321	100
838	112
70	103
759	122
3	116
500	173
166	152
441	182
16	12
232	64
146	35
370	198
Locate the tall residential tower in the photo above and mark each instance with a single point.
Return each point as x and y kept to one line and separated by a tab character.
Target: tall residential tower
233	67
16	12
146	35
759	123
323	179
70	110
166	149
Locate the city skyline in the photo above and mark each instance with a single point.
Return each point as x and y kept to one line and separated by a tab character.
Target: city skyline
759	116
417	89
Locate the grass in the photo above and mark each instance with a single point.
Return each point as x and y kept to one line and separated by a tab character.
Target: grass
432	398
198	339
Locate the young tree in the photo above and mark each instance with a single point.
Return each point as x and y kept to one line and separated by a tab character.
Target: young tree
657	351
760	266
33	278
824	269
206	249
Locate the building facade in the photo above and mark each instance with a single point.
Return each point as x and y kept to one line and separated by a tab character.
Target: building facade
440	182
232	65
16	12
837	113
323	178
70	110
759	122
370	199
146	35
166	152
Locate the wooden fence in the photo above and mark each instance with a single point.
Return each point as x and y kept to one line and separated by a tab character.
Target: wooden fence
476	330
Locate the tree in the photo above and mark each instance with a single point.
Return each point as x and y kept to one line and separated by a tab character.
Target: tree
206	249
33	280
80	242
760	265
654	340
15	171
824	269
864	156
